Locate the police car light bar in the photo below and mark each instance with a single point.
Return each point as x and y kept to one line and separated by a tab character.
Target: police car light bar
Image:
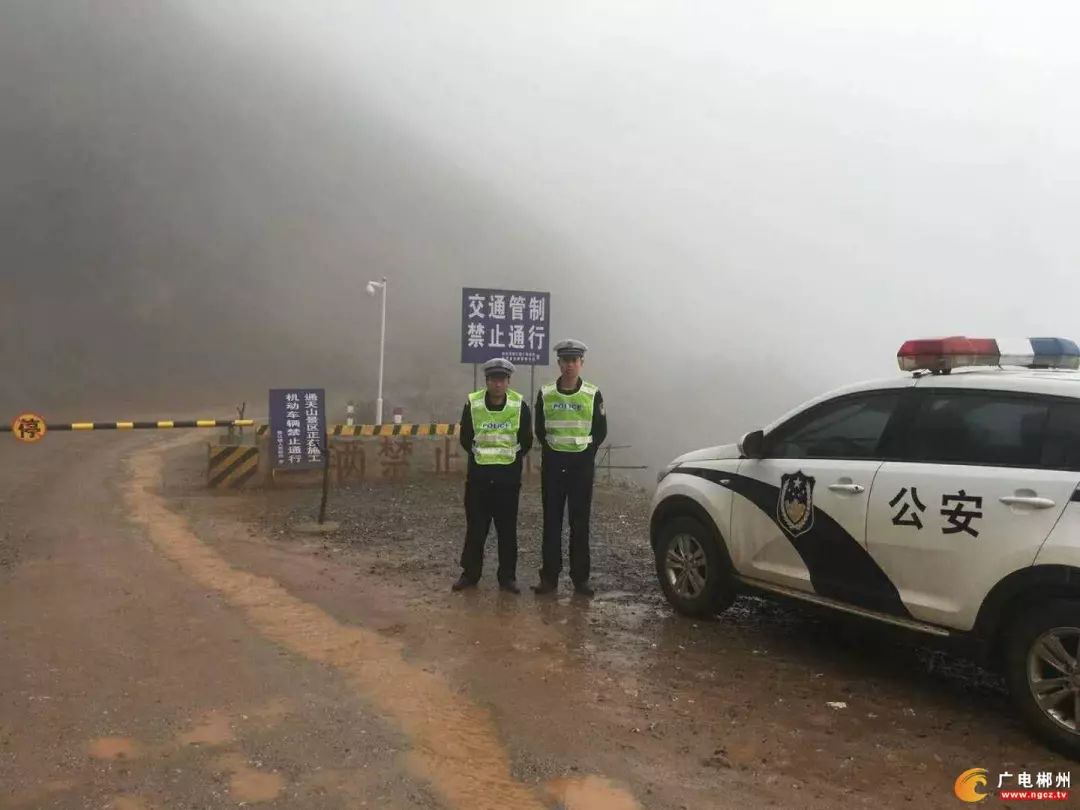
944	354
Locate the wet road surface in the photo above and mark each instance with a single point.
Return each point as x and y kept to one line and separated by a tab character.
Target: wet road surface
164	646
128	684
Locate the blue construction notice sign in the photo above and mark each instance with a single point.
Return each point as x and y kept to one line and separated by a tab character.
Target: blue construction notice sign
505	323
297	428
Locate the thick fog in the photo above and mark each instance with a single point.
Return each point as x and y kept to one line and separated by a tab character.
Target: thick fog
735	205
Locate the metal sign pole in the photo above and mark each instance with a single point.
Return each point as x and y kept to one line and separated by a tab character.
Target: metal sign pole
325	480
475	383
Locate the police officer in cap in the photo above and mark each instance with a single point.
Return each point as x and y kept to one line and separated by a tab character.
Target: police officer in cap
570	425
496	432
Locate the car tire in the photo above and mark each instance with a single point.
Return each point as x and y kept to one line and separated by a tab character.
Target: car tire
1042	657
694	573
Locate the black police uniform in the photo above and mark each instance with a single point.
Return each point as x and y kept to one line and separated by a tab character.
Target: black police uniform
491	494
566	480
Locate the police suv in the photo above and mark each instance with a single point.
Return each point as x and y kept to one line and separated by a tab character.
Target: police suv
944	501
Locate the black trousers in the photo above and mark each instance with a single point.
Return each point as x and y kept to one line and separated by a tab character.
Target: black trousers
488	500
562	485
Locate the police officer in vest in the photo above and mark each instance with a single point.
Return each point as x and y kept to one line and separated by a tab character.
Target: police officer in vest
496	432
570	425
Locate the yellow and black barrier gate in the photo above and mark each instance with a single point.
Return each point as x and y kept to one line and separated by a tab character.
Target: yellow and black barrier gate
167	424
231	466
29	427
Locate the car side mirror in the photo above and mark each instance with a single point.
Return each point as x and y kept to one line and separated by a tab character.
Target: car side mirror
753	445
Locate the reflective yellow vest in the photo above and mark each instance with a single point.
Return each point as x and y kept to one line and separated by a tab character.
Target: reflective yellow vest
495	432
568	417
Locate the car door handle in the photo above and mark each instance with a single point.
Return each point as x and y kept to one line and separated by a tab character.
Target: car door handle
1023	500
850	489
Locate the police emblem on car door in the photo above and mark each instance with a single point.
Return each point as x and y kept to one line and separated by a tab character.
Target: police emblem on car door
795	506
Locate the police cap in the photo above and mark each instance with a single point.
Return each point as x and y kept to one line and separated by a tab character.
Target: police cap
498	366
570	348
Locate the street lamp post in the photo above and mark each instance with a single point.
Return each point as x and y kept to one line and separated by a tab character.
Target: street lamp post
371	287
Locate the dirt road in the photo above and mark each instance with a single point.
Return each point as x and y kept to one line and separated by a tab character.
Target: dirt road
166	647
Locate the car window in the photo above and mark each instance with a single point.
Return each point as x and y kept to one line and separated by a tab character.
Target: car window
1061	451
979	427
850	427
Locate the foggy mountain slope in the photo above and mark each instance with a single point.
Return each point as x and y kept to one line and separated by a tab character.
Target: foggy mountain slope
181	221
187	226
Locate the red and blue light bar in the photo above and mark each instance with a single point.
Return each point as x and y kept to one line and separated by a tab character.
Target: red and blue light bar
945	354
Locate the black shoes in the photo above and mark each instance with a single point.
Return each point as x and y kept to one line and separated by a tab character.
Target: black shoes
511	586
583	589
463	583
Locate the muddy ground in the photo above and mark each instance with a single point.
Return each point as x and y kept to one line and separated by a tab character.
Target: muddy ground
165	646
687	713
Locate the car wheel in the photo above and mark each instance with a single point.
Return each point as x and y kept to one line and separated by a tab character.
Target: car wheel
1042	667
693	573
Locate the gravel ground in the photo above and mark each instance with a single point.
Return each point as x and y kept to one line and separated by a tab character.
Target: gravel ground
414	530
770	704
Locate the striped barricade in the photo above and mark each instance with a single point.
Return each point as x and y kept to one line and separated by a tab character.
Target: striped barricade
231	466
434	429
